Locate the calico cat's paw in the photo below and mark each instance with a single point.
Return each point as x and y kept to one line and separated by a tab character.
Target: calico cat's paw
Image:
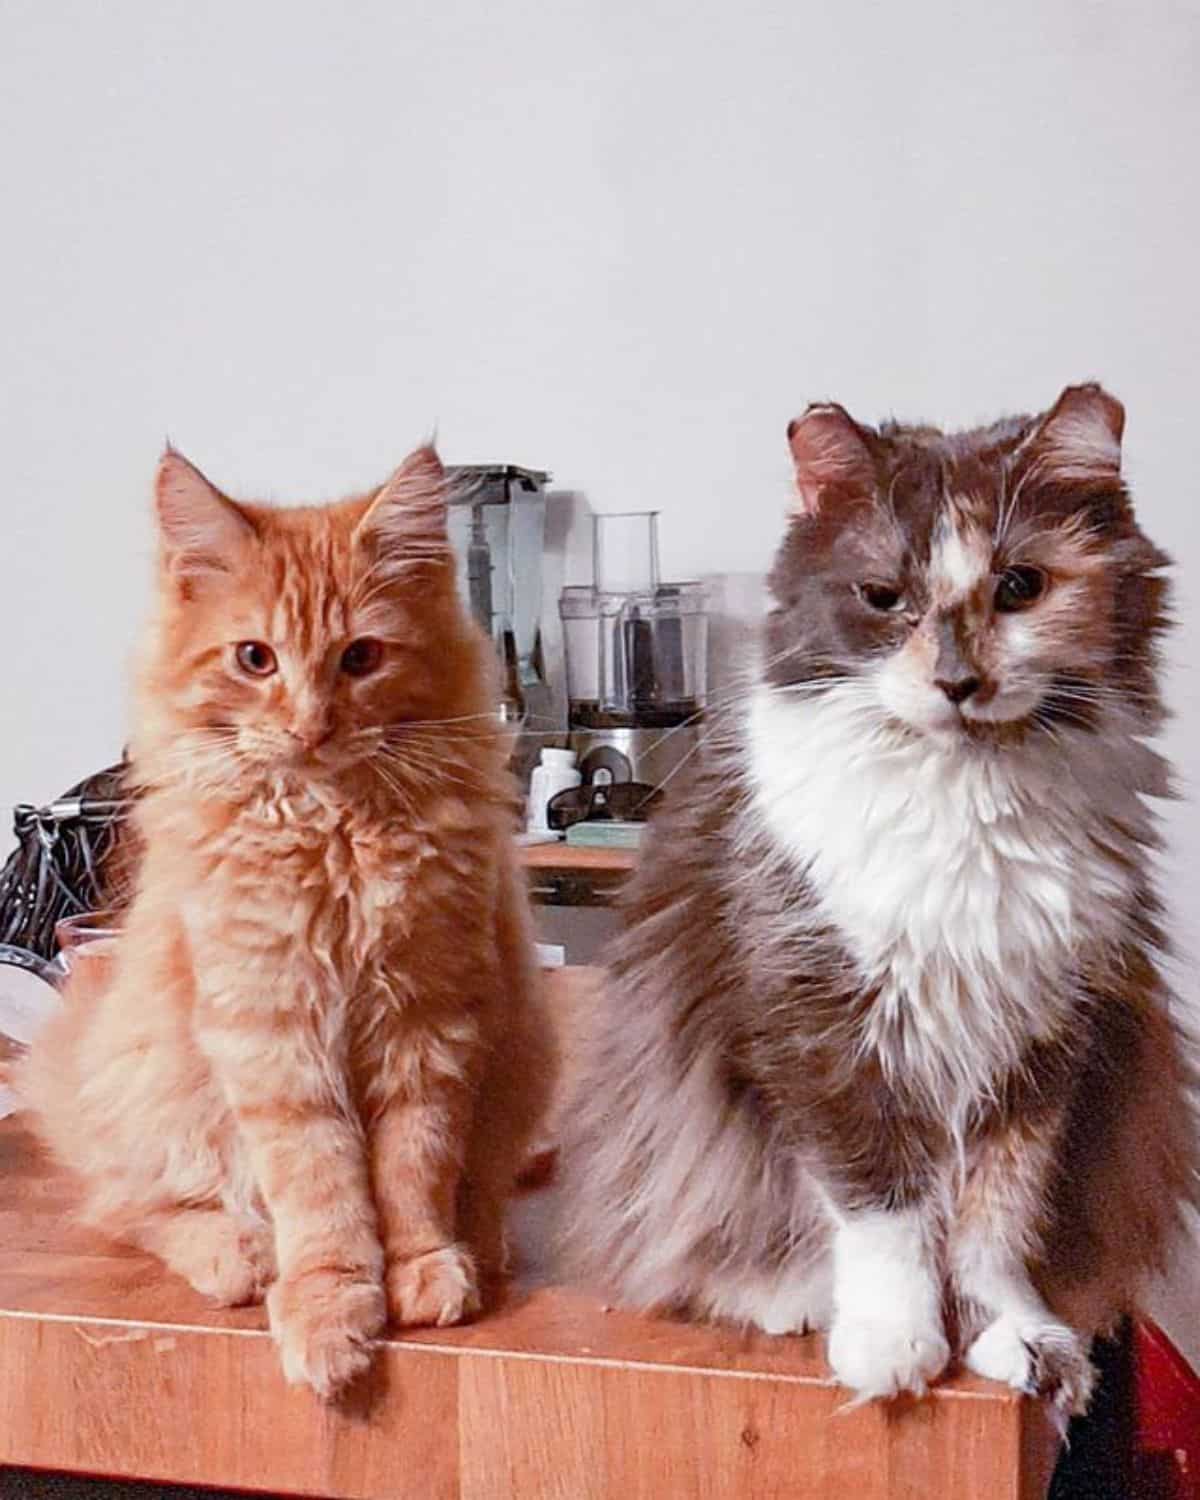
880	1357
1042	1359
437	1289
326	1324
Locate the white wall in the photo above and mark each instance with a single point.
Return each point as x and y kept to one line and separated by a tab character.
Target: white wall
625	241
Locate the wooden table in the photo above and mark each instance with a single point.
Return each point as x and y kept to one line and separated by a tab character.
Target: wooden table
109	1365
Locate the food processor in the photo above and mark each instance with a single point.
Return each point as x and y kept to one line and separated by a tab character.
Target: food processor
636	656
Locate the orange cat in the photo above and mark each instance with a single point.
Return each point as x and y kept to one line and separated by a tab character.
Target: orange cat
323	1049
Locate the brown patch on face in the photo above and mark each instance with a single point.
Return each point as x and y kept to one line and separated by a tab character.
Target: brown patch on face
938	518
730	1044
960	560
944	654
1064	641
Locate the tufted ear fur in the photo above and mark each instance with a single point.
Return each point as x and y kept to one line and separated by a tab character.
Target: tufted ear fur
407	519
1079	438
202	530
830	451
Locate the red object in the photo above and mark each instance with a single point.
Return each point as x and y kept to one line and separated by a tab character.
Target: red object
1166	1419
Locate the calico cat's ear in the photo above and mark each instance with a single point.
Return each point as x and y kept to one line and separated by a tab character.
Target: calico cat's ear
202	530
829	450
407	518
1080	436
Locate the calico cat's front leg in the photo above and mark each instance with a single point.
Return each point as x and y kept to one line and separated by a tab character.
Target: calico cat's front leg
878	1181
307	1154
887	1335
995	1231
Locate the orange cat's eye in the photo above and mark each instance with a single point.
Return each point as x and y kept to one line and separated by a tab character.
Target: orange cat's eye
256	658
362	657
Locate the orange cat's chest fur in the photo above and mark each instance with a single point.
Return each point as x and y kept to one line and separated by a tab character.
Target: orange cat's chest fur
321	1055
345	884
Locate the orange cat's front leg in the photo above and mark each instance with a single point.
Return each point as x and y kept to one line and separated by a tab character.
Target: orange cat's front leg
417	1144
308	1157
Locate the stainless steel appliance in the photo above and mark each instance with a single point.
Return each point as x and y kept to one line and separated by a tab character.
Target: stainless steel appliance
636	655
497	529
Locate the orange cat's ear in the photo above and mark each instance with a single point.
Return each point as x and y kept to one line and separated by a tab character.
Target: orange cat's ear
202	530
1080	436
829	450
407	518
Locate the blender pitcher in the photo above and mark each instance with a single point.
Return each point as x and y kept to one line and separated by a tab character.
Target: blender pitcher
636	650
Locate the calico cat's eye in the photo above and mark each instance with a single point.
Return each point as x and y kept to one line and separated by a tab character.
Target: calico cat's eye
362	657
256	658
881	596
1018	587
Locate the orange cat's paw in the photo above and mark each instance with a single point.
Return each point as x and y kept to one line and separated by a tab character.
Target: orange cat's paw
326	1324
249	1269
438	1288
230	1260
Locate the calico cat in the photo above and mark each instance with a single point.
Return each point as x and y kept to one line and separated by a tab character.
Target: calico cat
884	1047
322	1053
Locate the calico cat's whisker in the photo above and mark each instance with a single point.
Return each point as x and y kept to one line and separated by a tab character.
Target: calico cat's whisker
819	685
887	937
683	761
711	711
716	704
1093	693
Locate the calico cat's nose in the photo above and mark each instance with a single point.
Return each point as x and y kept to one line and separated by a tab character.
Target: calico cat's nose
952	671
957	689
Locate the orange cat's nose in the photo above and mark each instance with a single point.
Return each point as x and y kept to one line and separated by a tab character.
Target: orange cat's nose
313	736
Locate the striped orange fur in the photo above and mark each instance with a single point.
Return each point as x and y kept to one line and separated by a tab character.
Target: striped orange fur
322	1055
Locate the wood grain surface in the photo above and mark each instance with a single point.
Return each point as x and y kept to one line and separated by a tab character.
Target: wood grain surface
110	1365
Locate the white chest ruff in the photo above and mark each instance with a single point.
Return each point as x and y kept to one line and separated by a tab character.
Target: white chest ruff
964	883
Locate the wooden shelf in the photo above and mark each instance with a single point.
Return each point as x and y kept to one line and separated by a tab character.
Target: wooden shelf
109	1365
587	861
562	875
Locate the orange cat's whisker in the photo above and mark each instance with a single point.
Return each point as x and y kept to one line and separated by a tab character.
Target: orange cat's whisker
315	1071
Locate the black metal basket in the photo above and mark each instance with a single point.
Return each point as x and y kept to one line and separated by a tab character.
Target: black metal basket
64	862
